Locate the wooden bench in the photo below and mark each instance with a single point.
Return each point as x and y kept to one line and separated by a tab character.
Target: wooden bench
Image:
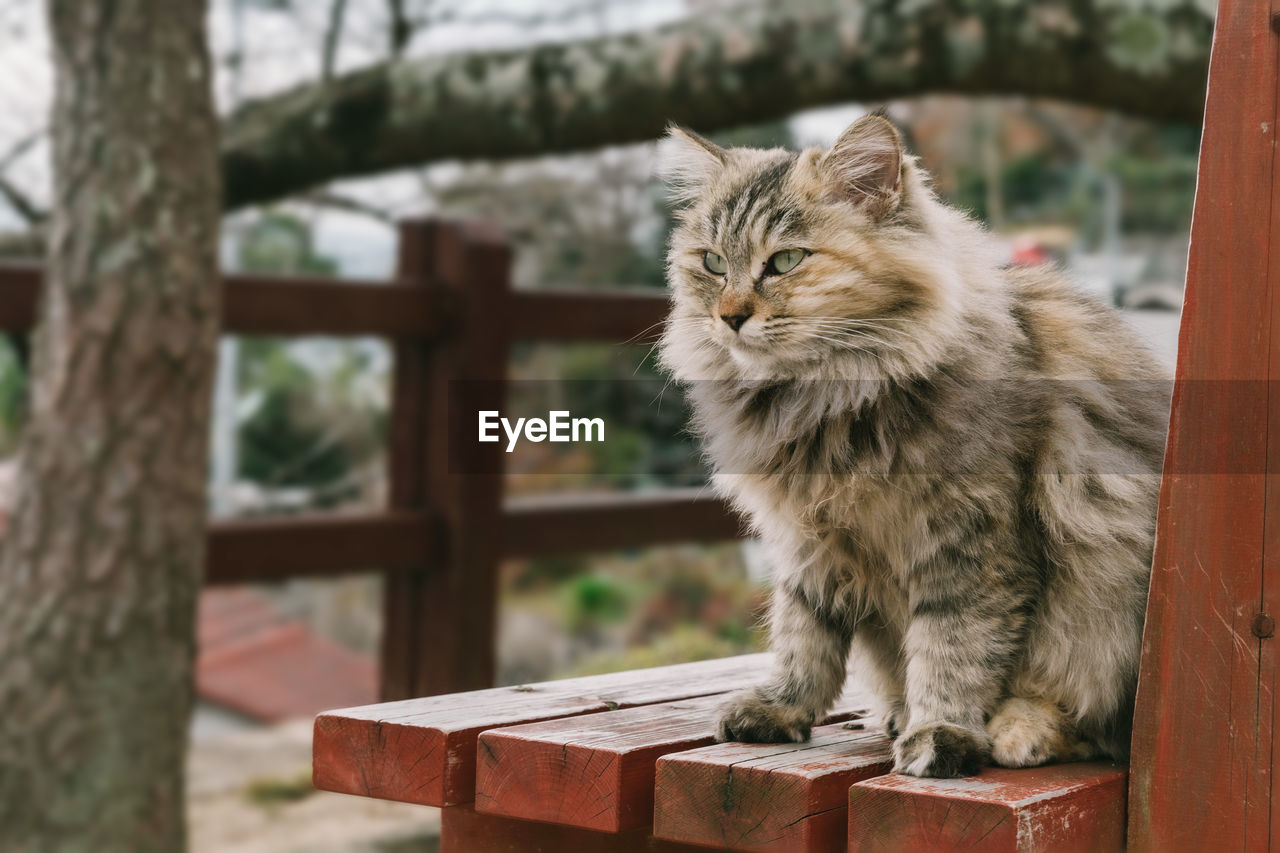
625	762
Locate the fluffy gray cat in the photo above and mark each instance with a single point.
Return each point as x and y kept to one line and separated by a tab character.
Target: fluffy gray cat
954	464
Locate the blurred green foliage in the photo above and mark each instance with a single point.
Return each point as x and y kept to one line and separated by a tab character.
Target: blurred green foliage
1153	167
13	391
281	243
311	415
595	600
306	428
643	607
1157	194
271	793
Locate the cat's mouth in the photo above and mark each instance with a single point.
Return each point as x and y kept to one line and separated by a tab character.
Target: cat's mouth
749	350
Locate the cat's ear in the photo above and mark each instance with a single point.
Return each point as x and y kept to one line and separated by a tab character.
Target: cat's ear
864	166
690	162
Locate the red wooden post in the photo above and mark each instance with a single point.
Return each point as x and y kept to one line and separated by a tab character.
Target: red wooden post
1202	768
440	621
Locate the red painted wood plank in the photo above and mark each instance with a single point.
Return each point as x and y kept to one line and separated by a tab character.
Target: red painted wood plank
259	304
423	750
1064	808
584	315
788	798
1204	721
463	830
272	547
597	772
539	525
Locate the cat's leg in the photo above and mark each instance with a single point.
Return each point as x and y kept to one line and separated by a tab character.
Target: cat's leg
964	632
811	649
1026	732
877	662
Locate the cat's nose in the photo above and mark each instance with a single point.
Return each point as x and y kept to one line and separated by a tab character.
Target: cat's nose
735	321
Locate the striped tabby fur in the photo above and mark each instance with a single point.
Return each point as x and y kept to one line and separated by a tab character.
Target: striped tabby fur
954	464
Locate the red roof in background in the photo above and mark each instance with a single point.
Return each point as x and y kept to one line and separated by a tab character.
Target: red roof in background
255	661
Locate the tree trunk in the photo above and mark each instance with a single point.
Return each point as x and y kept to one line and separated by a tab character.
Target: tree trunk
100	565
757	64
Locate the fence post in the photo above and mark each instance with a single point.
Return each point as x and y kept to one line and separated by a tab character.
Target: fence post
440	621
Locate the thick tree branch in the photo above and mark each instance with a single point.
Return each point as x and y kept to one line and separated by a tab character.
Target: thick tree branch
715	72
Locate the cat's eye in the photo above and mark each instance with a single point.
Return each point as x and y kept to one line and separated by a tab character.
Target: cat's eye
714	263
784	261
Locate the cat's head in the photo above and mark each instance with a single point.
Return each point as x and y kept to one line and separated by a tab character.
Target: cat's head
822	263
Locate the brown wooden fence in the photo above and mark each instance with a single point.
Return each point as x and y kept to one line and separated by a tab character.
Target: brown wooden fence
451	315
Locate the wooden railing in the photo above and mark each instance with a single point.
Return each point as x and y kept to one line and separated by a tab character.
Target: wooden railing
451	315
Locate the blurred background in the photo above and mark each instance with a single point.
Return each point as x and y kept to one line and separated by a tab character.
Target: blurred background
302	424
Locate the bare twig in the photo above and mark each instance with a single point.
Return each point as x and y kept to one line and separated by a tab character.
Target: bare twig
400	29
21	147
333	200
21	203
332	38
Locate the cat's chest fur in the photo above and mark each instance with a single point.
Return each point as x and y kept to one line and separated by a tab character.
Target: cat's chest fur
842	481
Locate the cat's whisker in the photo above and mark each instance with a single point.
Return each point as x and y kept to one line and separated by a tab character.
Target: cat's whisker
861	321
855	339
851	346
676	323
848	329
857	326
666	321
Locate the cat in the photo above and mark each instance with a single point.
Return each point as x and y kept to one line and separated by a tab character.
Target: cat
954	464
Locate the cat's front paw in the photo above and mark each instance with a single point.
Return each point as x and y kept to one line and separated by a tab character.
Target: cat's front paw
941	750
749	718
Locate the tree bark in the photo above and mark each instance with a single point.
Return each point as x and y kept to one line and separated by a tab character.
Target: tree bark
713	72
101	562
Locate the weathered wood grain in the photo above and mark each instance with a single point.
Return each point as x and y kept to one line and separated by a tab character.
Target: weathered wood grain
1064	808
597	772
787	798
1205	719
423	750
463	830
